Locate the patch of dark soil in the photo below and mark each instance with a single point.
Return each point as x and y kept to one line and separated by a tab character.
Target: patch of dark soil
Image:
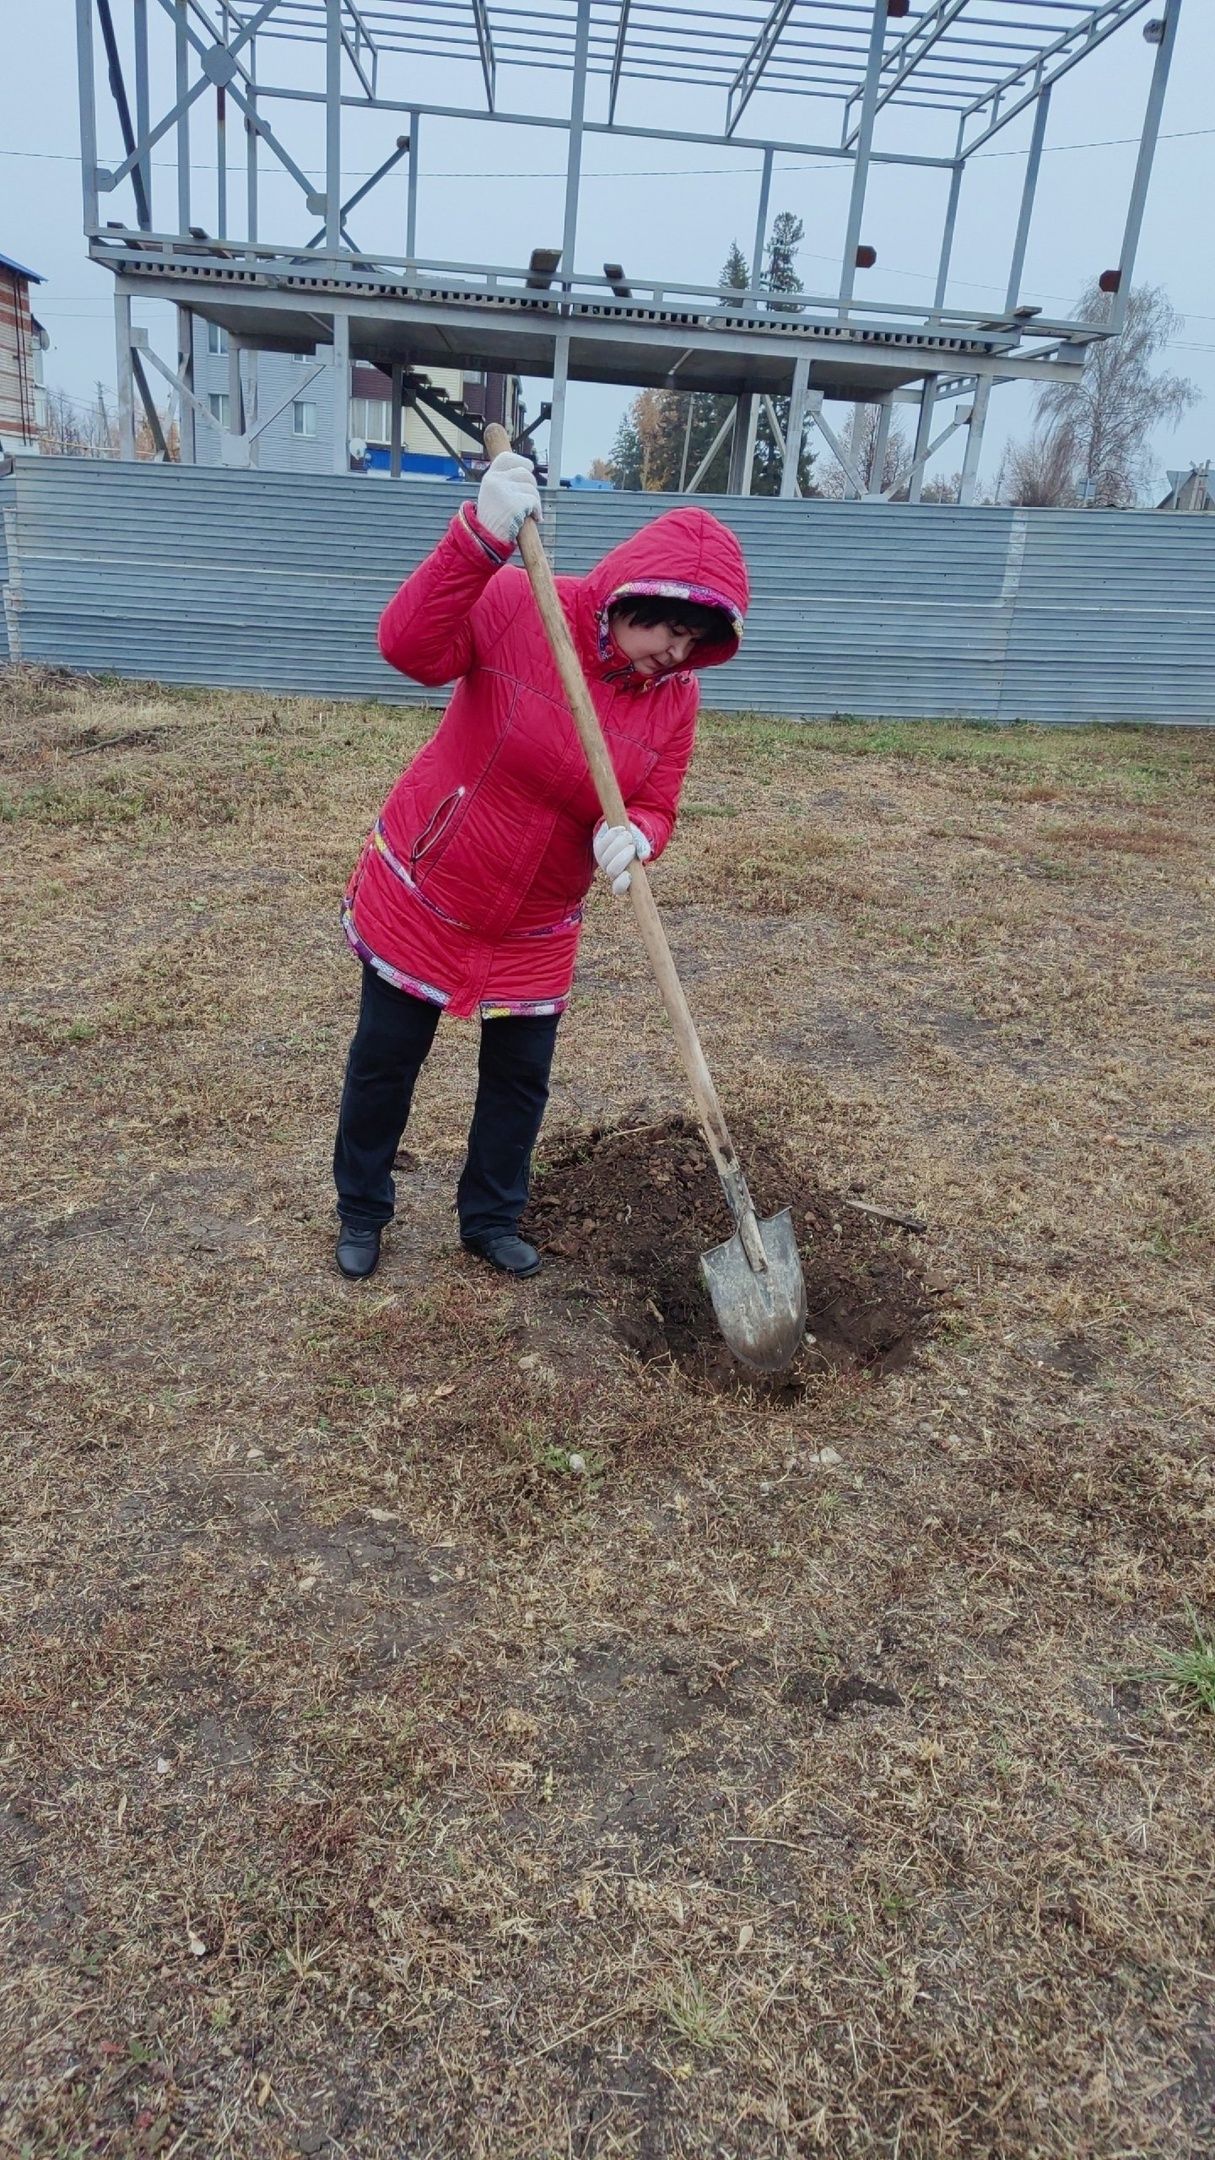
1197	2090
641	1747
95	738
1071	1356
837	1040
632	2095
21	1834
634	1210
835	1698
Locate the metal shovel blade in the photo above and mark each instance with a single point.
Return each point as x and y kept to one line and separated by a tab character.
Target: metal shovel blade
761	1311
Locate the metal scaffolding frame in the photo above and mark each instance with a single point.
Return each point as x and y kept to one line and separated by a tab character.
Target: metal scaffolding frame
980	63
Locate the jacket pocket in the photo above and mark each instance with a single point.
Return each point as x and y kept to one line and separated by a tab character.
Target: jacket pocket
437	826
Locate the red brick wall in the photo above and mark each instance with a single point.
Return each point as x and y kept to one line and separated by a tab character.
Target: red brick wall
17	410
368	381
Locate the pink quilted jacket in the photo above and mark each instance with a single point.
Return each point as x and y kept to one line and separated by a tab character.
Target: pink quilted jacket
470	887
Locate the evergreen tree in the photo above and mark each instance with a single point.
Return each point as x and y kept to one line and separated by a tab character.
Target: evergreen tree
702	418
707	409
734	270
770	457
644	454
624	464
666	435
782	275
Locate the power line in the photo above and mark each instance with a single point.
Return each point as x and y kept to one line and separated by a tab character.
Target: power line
661	172
679	172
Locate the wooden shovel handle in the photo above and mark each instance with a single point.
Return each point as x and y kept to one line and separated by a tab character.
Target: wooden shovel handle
612	803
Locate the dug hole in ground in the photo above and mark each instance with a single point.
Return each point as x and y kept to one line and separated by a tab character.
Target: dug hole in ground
455	1718
632	1208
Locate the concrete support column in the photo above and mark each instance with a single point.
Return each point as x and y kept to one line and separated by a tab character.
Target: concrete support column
974	440
556	426
126	373
341	393
795	426
923	436
396	424
250	405
880	441
854	486
236	389
742	446
186	422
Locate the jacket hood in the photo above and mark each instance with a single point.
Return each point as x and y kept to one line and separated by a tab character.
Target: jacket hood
685	555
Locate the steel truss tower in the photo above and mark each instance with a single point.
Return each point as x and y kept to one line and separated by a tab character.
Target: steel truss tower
972	65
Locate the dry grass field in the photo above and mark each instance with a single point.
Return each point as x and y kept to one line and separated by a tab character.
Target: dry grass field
436	1724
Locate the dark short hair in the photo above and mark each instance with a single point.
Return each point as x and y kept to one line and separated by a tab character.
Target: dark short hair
647	610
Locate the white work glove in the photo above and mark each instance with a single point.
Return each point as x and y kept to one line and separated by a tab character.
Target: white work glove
508	494
616	846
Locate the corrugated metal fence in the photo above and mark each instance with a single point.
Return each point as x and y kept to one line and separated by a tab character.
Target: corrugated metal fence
8	499
276	581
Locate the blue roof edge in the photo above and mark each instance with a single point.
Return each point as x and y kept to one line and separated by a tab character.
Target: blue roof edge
7	263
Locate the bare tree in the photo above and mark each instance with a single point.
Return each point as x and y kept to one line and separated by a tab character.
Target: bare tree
1043	472
71	428
944	488
1099	430
74	429
146	445
860	441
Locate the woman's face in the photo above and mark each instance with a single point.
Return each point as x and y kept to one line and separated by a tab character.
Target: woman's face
656	648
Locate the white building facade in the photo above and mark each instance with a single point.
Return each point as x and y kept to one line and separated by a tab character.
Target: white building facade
298	390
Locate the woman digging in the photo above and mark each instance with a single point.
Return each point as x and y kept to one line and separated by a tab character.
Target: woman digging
467	897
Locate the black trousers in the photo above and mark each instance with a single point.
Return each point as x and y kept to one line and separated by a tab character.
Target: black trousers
394	1034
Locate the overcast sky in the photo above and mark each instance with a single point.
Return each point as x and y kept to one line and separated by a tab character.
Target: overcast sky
490	193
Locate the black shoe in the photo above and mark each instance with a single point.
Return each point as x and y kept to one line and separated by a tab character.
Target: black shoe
358	1251
510	1255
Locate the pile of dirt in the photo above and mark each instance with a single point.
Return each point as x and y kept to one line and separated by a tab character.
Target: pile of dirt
633	1210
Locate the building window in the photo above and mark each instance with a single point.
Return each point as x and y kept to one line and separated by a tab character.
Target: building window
303	417
217	340
301	357
218	402
371	419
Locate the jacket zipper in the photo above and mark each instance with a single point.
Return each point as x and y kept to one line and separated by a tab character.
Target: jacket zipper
432	832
